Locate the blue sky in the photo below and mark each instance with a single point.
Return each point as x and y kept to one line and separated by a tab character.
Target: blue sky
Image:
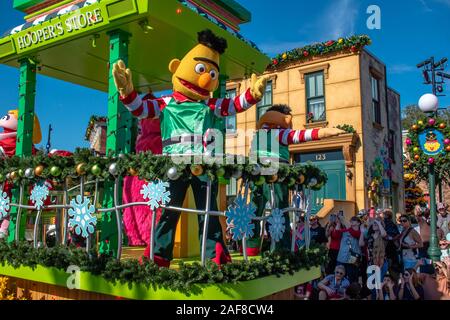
411	31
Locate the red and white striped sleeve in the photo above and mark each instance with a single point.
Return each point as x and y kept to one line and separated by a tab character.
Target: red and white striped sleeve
143	109
289	136
224	107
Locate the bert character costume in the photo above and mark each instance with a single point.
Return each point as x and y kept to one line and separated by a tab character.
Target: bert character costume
185	116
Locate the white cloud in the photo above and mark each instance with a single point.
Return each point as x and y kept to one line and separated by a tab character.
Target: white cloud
425	6
401	68
338	20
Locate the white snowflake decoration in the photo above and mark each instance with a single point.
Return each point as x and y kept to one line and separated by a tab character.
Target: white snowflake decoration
39	194
4	204
82	218
239	218
156	193
277	224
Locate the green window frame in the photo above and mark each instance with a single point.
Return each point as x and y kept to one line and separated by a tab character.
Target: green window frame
375	89
315	97
230	121
266	101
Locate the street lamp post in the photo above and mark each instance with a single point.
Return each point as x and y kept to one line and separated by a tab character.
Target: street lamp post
428	103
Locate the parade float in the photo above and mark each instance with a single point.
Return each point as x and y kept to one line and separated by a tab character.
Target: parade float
80	193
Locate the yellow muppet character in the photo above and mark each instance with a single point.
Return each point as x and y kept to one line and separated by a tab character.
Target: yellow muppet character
185	117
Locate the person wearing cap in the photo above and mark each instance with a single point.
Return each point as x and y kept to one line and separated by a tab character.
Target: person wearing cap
270	144
443	218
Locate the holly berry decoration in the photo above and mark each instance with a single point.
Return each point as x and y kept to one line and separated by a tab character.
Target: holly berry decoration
96	170
81	169
431	122
39	170
55	171
197	170
442	125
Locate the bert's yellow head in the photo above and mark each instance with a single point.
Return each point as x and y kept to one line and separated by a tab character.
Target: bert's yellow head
197	74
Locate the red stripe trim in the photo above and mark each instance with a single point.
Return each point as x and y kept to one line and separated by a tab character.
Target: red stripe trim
237	104
250	99
162	104
301	136
138	111
224	110
315	134
290	138
128	99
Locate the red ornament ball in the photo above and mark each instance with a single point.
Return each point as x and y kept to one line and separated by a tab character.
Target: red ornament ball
447	141
274	62
408	141
442	125
431	122
431	160
353	49
305	53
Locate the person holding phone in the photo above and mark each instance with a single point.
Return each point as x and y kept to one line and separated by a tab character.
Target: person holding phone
410	242
410	286
334	234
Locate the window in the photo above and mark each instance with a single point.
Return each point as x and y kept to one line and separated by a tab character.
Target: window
231	191
315	97
392	145
266	101
375	99
230	121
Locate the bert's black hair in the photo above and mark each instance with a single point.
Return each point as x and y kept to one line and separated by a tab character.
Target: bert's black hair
282	108
209	39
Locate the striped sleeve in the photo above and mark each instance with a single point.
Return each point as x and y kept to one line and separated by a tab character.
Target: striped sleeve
224	107
143	109
289	136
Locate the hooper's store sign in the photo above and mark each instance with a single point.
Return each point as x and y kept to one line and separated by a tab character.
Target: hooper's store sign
73	23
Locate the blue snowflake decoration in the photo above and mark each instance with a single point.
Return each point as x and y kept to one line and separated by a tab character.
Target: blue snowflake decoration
156	193
82	218
4	204
277	224
239	217
39	194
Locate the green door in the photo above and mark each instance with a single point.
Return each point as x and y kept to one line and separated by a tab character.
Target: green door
332	162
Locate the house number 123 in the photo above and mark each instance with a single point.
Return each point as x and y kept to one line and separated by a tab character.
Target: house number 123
321	157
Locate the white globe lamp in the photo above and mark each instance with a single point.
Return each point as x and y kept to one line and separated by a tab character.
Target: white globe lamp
428	103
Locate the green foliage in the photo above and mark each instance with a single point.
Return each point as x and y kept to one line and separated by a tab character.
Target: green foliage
347	128
149	274
151	167
411	114
352	44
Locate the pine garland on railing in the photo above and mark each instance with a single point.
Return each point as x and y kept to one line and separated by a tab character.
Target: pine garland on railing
151	167
149	274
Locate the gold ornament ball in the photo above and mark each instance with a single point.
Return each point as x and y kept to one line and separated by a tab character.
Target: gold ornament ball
133	172
442	125
284	56
272	178
414	127
416	157
14	175
81	169
197	170
447	148
301	179
39	170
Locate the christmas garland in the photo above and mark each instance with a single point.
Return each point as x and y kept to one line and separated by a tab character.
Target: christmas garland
149	274
347	128
150	167
420	162
91	124
352	44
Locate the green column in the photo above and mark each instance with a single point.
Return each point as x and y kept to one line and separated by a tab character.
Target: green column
433	251
119	138
24	142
